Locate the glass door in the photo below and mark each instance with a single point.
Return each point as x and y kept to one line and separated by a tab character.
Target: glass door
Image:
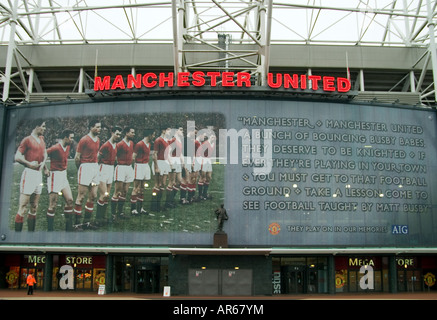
414	281
83	279
409	280
294	279
402	285
353	287
147	281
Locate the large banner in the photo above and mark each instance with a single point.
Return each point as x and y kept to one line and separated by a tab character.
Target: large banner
289	173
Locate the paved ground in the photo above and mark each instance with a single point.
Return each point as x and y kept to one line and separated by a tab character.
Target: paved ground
74	295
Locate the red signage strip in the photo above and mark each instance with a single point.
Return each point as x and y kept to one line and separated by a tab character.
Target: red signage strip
221	79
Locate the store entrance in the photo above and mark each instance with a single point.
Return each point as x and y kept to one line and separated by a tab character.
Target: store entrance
142	274
147	281
300	275
84	279
294	279
409	280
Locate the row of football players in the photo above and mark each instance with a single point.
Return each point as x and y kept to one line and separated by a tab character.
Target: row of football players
118	160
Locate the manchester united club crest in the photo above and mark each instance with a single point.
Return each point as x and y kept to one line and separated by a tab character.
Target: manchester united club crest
274	228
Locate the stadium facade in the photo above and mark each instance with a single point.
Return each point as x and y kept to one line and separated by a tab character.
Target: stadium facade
322	154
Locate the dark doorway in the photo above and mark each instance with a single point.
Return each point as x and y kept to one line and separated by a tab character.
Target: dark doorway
213	282
294	279
147	281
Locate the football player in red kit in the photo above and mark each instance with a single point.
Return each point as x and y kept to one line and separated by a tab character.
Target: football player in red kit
32	155
107	156
176	180
205	152
193	165
124	173
162	167
142	173
88	171
57	182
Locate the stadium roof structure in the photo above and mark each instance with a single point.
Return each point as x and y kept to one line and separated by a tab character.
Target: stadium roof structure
51	50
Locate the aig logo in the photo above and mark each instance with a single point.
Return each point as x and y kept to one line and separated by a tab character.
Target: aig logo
399	229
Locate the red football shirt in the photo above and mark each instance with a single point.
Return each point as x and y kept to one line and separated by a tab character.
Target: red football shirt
143	152
159	147
205	150
125	152
108	153
88	149
176	147
33	148
58	157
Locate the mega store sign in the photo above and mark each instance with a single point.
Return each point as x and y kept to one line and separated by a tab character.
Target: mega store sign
221	79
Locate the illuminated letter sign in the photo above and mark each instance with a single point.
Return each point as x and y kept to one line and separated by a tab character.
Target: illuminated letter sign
221	79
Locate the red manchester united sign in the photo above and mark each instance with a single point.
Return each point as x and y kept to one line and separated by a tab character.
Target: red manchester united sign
221	79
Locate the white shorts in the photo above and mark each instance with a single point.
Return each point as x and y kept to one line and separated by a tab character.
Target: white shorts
164	167
57	181
188	164
31	182
206	165
176	164
124	173
88	174
142	171
197	164
106	173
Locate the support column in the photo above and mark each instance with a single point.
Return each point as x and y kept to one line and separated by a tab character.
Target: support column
393	274
109	274
48	273
331	275
10	53
362	88
432	46
178	13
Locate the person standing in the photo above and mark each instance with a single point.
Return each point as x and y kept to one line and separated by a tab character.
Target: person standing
142	172
205	152
162	166
88	171
107	156
57	182
193	164
30	280
176	145
32	154
124	173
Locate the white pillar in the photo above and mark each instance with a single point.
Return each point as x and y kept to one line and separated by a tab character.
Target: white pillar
432	47
10	53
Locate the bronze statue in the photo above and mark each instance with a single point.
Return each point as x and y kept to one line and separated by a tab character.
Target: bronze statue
222	216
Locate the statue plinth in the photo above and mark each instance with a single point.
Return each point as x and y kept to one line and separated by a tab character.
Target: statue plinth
220	239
